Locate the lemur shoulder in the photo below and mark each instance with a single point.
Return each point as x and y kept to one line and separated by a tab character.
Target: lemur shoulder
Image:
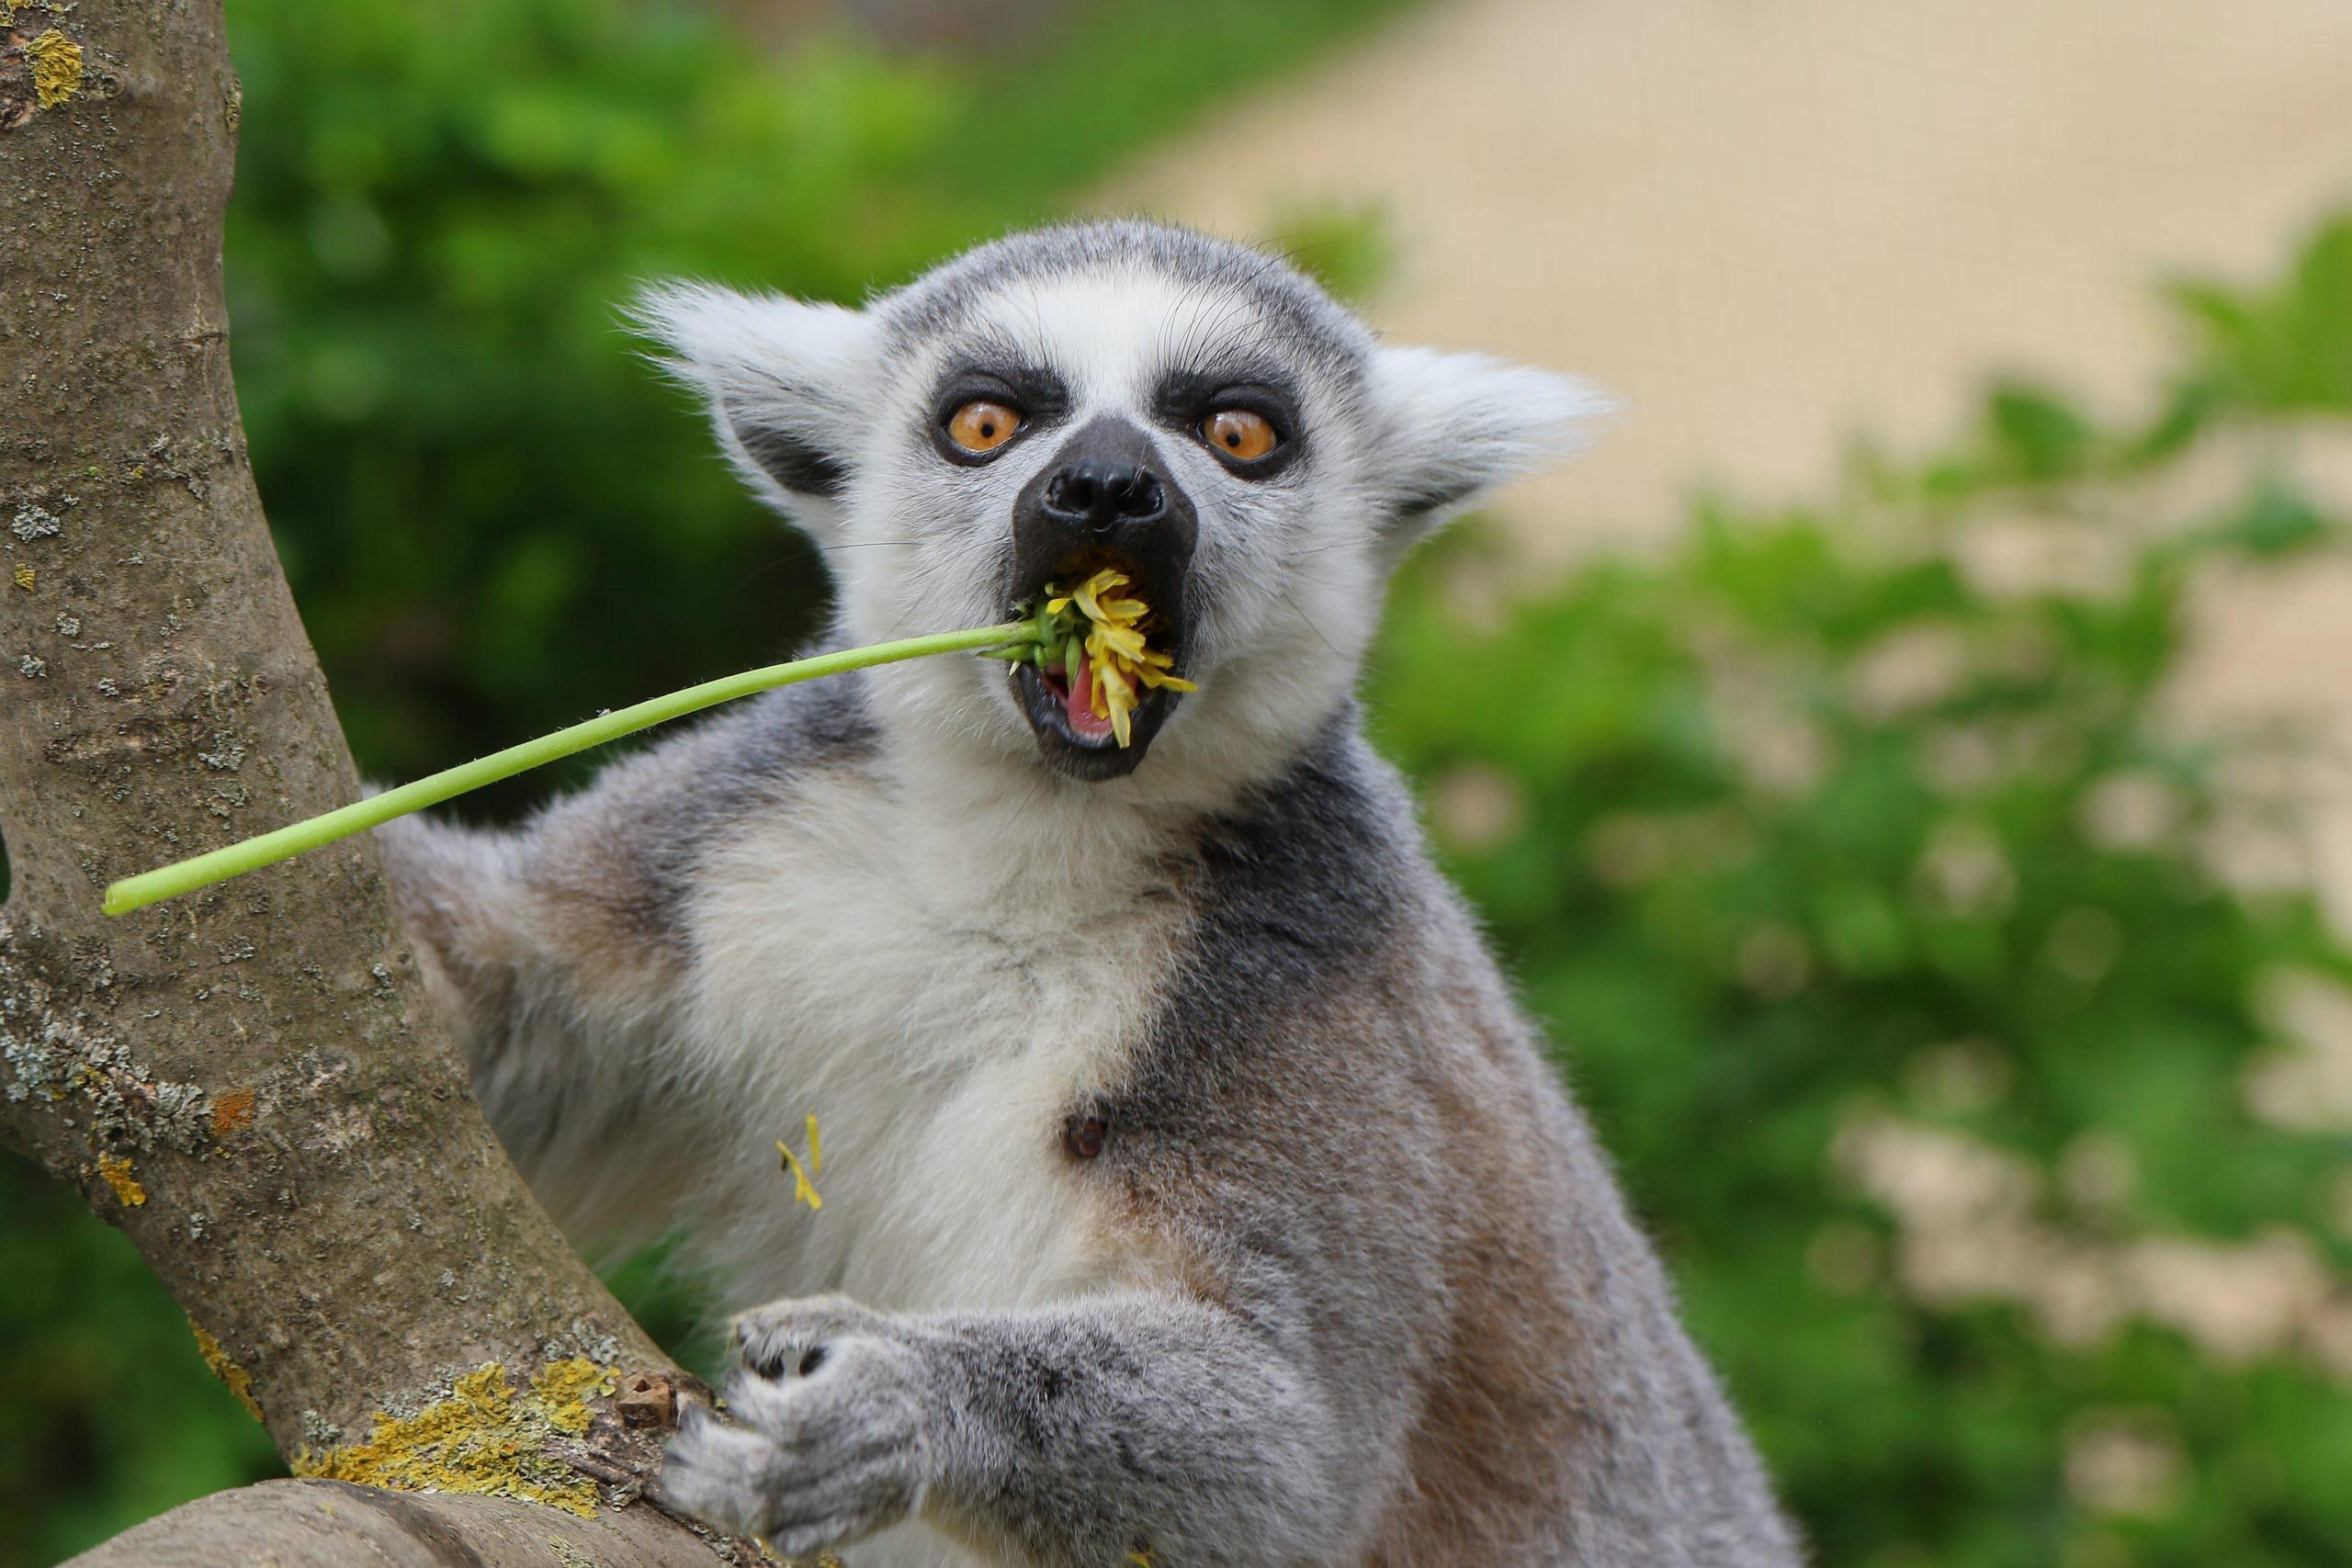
1194	1191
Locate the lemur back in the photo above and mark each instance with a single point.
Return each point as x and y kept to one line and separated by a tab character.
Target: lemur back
1193	1189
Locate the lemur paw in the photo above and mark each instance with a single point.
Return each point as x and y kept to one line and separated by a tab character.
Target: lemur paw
828	1440
774	1339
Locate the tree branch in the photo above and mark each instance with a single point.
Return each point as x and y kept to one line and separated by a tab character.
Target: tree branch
331	1522
248	1082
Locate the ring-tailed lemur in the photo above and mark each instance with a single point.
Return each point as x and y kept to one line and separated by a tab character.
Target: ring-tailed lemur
1194	1192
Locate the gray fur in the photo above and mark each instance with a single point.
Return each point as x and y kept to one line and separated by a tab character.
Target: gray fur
1346	1280
1305	322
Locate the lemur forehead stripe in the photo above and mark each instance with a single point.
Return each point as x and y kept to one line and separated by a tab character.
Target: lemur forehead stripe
1292	310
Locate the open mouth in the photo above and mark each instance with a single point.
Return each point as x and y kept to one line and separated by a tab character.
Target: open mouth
1107	677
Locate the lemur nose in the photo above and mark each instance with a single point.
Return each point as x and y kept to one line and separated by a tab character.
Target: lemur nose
1105	494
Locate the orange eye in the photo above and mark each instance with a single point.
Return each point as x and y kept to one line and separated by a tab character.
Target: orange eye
982	426
1240	435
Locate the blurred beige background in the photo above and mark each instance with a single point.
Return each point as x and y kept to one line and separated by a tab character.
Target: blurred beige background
1769	224
1774	226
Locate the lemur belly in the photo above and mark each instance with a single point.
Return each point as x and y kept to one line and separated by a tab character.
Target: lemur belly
938	999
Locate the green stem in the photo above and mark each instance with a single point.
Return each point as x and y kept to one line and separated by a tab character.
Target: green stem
268	849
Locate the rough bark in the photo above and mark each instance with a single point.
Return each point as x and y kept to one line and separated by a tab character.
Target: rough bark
329	1522
248	1082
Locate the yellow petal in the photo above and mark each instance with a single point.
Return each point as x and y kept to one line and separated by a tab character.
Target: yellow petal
1090	592
1119	693
802	1192
1121	644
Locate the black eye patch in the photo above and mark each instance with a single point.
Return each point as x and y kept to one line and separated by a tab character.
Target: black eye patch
1185	398
1038	396
1035	393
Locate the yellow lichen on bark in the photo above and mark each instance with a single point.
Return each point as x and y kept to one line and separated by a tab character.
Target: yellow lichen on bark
57	68
237	1380
488	1439
115	1172
564	1388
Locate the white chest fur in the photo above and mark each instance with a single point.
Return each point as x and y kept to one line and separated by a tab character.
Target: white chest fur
939	991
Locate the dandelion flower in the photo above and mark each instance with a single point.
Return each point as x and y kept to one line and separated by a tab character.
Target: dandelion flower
1119	660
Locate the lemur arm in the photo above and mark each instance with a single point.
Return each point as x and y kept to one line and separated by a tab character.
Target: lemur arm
1089	1433
454	889
560	933
543	954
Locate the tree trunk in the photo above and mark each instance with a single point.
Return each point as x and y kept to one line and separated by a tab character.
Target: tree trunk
248	1081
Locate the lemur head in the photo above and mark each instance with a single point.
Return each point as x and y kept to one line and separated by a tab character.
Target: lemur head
1127	394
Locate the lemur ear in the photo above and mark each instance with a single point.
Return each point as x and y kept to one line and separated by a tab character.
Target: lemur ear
784	380
1452	427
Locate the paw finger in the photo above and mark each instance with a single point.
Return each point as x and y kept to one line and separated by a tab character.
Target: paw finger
722	1475
789	1338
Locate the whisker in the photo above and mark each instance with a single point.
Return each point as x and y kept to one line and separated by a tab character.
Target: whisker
1303	615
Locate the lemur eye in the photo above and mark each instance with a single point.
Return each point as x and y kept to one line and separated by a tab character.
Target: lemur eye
981	425
1240	435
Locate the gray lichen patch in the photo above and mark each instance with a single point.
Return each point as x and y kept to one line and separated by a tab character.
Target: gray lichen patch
35	1067
57	1053
34	521
594	1341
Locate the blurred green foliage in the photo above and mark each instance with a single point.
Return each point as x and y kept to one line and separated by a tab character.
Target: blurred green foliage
107	1415
1902	949
1824	842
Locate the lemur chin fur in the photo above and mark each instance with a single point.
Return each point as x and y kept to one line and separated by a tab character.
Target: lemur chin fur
1195	1192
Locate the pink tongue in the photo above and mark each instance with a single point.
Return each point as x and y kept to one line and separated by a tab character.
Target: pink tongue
1082	710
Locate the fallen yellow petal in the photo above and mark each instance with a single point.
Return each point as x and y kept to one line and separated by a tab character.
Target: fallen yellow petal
802	1192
